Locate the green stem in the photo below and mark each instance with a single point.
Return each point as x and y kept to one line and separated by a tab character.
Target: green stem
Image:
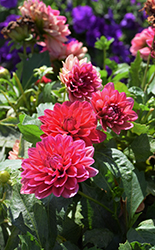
145	73
22	91
9	102
24	50
97	202
149	82
104	57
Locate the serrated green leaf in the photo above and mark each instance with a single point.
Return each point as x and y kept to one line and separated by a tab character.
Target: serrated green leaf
116	162
42	107
125	246
139	128
144	233
100	237
134	71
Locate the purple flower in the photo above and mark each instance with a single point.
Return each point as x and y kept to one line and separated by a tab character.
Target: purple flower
83	17
118	48
8	3
129	21
8	59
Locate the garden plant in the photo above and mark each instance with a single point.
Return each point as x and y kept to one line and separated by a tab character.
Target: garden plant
77	125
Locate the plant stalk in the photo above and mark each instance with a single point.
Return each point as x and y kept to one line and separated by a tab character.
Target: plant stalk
95	201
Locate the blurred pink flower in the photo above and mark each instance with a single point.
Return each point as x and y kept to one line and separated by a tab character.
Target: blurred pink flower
65	49
76	119
75	47
13	155
49	24
57	165
113	109
80	77
144	43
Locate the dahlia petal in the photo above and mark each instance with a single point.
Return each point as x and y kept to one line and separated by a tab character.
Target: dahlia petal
60	181
81	171
57	191
43	194
70	193
92	171
71	171
71	183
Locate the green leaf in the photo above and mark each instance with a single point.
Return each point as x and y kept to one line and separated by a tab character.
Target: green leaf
29	242
23	204
141	148
9	121
125	246
36	61
144	233
151	87
134	71
42	223
69	246
11	164
30	128
13	239
42	107
121	87
134	191
138	246
116	162
100	237
139	128
121	72
47	93
103	43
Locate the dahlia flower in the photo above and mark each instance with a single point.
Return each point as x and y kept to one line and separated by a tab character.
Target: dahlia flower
76	119
57	165
80	77
75	47
13	155
113	109
49	24
144	43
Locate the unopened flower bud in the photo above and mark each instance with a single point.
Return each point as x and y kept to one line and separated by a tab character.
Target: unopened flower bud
4	73
4	176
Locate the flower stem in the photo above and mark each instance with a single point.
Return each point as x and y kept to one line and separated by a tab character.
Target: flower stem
104	57
9	102
149	82
22	91
97	202
145	73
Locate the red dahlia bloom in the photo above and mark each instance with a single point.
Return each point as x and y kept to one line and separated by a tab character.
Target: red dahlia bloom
80	77
72	118
113	109
57	165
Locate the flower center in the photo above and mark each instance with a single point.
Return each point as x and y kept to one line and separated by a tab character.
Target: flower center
69	123
113	112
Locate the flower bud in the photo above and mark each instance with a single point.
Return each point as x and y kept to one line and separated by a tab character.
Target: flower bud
4	73
4	176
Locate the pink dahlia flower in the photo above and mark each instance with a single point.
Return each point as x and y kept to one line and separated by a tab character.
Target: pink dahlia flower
57	165
13	155
80	77
75	47
49	24
143	42
113	109
76	119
